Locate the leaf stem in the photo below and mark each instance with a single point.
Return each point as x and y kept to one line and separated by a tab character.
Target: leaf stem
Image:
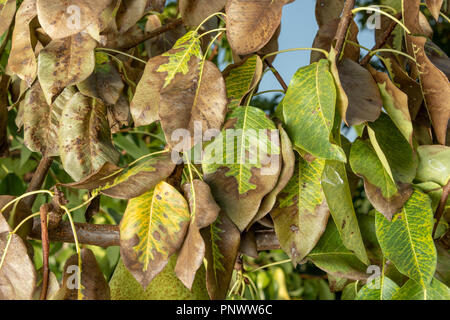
24	196
356	10
295	49
122	53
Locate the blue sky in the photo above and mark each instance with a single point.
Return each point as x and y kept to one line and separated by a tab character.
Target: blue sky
298	29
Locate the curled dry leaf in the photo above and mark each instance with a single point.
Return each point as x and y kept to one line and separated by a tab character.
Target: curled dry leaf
362	91
435	7
197	99
85	138
243	163
301	214
163	42
259	18
61	19
327	10
204	211
152	229
7	11
222	241
22	60
41	121
131	11
17	273
64	63
93	283
127	183
194	12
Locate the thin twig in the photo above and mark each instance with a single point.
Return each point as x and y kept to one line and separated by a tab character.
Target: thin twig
441	208
45	208
381	42
342	29
38	179
277	75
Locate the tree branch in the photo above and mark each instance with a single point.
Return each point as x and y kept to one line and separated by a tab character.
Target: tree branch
342	29
382	41
45	249
277	75
108	235
37	180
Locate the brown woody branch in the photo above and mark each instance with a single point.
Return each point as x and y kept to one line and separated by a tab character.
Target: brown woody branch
108	235
37	180
342	29
45	249
382	41
277	75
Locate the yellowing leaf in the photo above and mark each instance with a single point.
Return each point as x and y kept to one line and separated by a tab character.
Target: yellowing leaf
152	229
407	241
411	290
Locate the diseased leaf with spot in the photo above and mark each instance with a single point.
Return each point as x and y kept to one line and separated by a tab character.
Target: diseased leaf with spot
382	192
152	229
434	164
93	283
301	214
85	139
259	18
381	288
331	256
337	193
411	290
364	100
204	211
65	62
243	165
22	60
18	274
62	19
407	241
308	111
130	12
222	241
129	182
194	12
242	77
41	121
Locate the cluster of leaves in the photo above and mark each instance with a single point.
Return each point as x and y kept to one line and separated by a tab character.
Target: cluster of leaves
74	81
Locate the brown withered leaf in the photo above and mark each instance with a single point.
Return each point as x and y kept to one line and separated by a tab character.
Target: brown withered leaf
130	12
41	121
204	211
65	62
17	274
93	283
435	7
438	57
287	170
194	12
160	44
248	244
362	91
251	24
194	99
85	138
435	88
132	182
271	46
3	114
119	114
61	19
15	215
105	83
22	60
53	286
7	11
222	240
327	10
325	36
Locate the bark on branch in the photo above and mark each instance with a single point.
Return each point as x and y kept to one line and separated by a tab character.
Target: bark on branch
342	29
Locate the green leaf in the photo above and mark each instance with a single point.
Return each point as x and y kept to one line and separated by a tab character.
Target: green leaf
308	111
302	213
333	257
381	288
411	290
85	139
130	182
434	164
350	291
337	192
393	149
243	163
184	49
407	241
381	191
152	229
